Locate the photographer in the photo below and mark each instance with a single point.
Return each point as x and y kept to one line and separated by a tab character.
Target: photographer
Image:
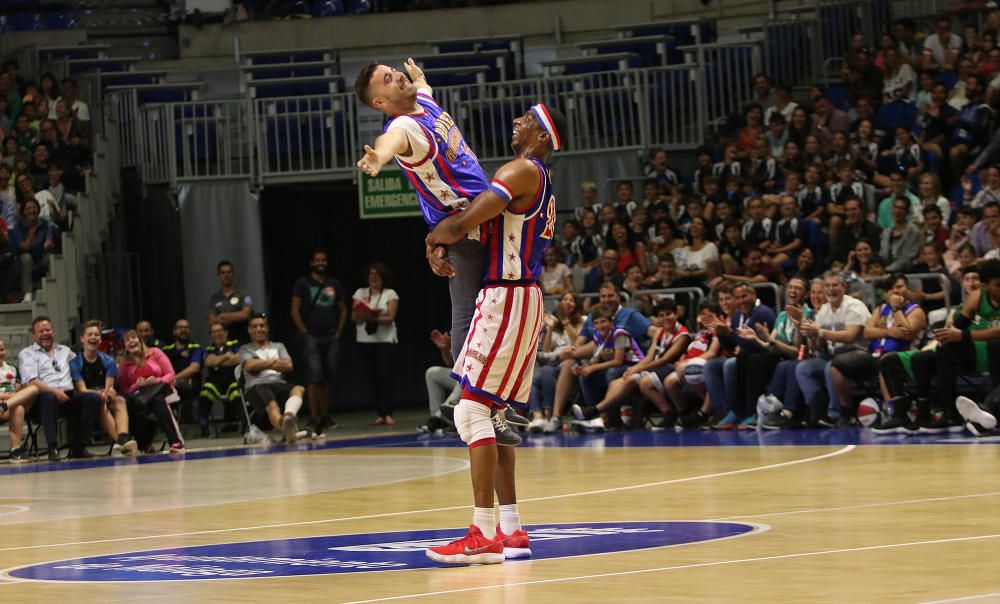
374	315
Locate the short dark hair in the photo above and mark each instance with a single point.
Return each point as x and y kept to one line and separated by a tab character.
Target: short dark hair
362	85
39	319
259	315
989	270
599	312
710	306
665	305
625	182
932	209
222	263
93	323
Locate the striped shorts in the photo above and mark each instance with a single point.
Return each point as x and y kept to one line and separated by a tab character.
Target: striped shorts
497	361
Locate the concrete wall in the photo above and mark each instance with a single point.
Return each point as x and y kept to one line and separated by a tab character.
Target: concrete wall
11	41
545	23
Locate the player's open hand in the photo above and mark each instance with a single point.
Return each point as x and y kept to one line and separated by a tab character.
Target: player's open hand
413	70
437	257
369	162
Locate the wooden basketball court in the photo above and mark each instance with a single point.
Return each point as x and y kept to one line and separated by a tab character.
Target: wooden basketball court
827	516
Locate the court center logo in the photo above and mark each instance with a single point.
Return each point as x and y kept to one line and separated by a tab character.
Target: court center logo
367	552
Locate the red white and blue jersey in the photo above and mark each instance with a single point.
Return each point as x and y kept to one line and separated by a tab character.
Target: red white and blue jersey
516	239
443	169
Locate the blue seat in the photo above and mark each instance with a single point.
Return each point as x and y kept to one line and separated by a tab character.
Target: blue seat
25	22
836	93
328	8
60	19
892	115
358	7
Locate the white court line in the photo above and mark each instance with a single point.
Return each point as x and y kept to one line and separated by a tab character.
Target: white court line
859	506
15	509
965	599
841	451
681	567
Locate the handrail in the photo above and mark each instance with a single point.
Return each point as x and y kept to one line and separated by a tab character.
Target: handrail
942	278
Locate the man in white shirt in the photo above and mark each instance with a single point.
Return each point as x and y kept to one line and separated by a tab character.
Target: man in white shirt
839	326
79	109
45	365
942	48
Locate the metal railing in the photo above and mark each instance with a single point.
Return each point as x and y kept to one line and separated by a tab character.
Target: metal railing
306	135
781	63
725	75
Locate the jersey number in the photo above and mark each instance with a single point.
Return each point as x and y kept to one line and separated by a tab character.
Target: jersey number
550	222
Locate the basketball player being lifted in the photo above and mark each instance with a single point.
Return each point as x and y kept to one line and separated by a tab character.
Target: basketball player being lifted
428	146
516	217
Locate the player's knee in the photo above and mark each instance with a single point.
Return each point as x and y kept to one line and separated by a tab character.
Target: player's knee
472	420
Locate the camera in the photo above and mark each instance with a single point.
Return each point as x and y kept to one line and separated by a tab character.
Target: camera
371	327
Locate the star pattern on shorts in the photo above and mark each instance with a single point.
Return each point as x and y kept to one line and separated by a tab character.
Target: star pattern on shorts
493	300
489	317
468	367
479	345
511	275
485	330
512	257
446	194
511	237
429	176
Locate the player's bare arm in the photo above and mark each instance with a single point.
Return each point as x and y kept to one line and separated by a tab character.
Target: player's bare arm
519	175
387	146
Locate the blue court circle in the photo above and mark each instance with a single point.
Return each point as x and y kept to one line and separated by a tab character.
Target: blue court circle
366	552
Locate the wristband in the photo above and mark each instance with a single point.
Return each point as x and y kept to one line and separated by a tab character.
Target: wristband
966	336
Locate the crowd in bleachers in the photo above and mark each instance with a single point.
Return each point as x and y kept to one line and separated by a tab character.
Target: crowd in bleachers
836	196
45	151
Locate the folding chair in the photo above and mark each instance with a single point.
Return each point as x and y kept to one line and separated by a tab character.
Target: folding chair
249	436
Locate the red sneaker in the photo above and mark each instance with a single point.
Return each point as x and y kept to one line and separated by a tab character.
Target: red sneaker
515	545
474	548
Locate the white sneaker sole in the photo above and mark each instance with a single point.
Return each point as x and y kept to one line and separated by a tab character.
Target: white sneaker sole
971	412
463	559
130	448
578	412
514	553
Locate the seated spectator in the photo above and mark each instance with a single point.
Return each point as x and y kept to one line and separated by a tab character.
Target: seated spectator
659	168
788	237
606	218
46	366
979	237
931	295
688	373
730	167
899	80
975	122
697	261
94	371
989	192
942	49
777	136
561	331
556	278
16	400
186	358
442	389
905	157
763	93
47	92
632	285
668	346
757	228
731	248
665	241
969	345
65	203
26	190
605	271
570	238
32	239
783	104
901	243
933	229
705	166
638	224
898	189
72	130
897	325
24	134
38	169
8	195
610	348
629	319
624	204
938	123
814	196
865	148
837	328
799	128
753	270
220	358
264	362
589	247
753	126
770	385
722	377
827	119
146	379
145	330
77	108
863	79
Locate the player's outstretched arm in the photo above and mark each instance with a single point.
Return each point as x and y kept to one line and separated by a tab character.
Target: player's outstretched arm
387	146
417	75
512	182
